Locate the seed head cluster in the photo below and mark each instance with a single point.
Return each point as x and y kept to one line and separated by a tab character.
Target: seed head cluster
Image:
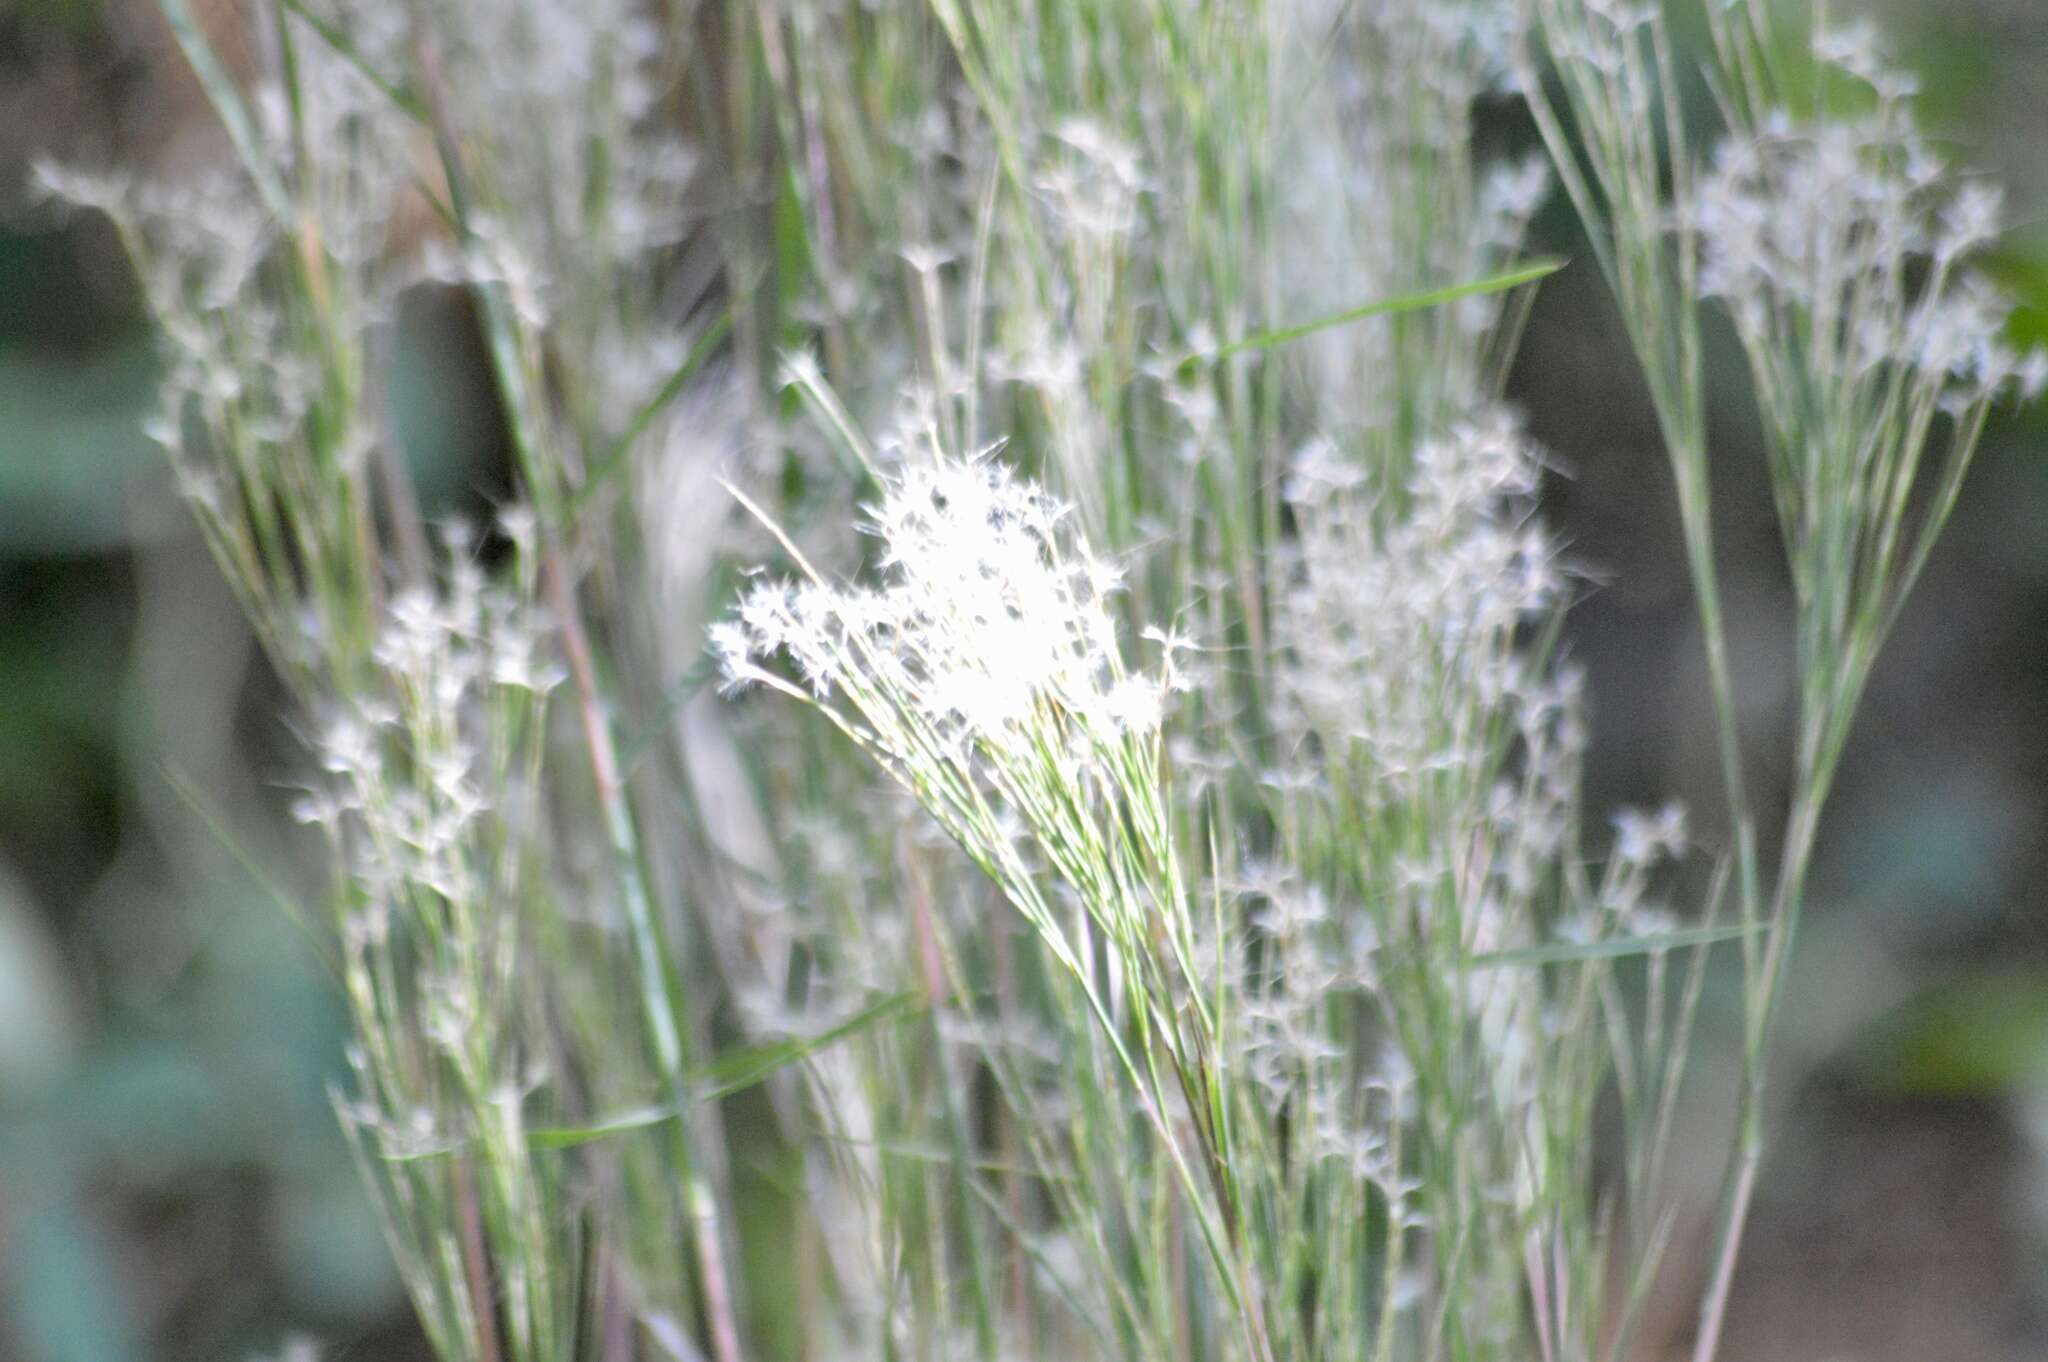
1817	231
990	628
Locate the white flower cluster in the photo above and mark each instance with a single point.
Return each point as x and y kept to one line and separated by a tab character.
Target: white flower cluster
200	234
1403	612
1821	227
989	624
1841	249
434	808
418	768
1433	774
985	676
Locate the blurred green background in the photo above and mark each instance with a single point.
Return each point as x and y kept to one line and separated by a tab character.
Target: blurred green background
172	1184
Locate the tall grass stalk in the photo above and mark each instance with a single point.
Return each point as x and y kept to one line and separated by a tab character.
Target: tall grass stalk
1837	241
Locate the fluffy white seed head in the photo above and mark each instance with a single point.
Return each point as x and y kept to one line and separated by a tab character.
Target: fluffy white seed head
986	620
1825	227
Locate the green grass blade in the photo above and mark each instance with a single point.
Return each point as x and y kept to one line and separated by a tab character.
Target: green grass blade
1386	307
227	102
742	1069
686	688
345	48
286	903
729	1074
615	458
568	1137
1566	952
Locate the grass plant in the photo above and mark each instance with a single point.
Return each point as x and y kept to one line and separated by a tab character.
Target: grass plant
1166	926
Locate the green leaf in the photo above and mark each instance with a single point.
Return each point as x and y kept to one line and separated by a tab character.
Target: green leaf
934	1155
1566	952
793	256
1384	307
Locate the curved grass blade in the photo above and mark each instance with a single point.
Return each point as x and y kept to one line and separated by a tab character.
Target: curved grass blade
685	688
615	457
742	1069
195	799
408	101
1384	307
732	1073
1567	952
227	102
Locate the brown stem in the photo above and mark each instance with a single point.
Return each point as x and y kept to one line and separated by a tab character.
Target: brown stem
476	1266
725	1341
604	767
1714	1307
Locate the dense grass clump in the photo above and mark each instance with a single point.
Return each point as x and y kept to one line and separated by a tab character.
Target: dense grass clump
1166	924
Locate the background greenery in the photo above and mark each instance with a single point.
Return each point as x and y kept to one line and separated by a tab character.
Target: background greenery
171	1180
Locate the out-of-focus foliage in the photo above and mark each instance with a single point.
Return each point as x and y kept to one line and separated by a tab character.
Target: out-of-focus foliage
172	1181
